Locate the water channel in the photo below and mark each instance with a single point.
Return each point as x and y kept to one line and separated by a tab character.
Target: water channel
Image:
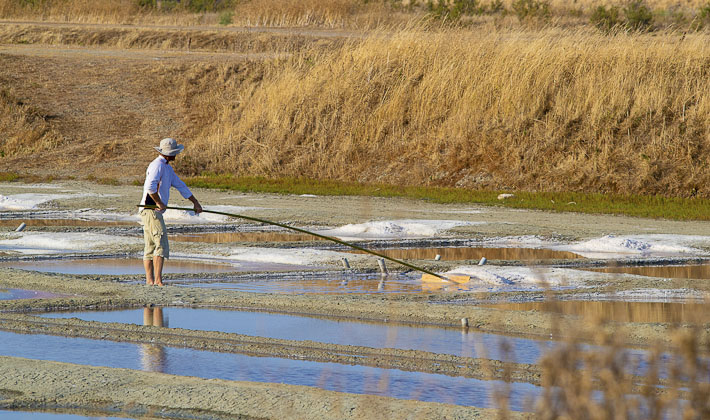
205	364
334	331
133	266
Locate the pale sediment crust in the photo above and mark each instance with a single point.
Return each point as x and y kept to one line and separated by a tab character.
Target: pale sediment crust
42	385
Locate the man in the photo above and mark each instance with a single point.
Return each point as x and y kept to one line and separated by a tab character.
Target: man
159	178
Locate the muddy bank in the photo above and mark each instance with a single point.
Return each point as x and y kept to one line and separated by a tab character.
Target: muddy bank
31	384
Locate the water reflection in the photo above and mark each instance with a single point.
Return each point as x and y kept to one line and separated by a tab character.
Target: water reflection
16	294
38	415
13	223
456	341
227	237
649	312
321	285
455	254
668	271
118	266
153	316
236	367
153	355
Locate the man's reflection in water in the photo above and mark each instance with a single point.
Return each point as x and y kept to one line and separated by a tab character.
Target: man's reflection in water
152	355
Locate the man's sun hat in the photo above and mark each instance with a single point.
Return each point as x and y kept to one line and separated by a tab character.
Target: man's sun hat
169	147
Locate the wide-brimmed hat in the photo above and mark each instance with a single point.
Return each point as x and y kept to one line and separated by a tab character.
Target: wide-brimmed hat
169	147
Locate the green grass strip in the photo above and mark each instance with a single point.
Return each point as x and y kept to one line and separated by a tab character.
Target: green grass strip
8	176
660	207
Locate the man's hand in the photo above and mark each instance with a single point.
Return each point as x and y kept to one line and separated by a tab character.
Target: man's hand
198	207
161	207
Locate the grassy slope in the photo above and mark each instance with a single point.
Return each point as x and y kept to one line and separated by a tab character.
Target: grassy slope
442	114
552	110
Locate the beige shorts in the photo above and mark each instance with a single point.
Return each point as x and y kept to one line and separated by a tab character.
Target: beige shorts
155	235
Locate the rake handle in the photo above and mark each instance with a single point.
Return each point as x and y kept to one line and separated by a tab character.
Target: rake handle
328	238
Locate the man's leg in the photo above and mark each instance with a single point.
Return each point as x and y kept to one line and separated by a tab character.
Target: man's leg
158	317
158	270
147	316
148	219
149	278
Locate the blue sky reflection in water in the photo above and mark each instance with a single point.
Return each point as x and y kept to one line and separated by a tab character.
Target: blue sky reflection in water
34	415
13	294
330	376
291	327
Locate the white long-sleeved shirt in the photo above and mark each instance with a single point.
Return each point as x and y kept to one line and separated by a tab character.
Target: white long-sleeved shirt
160	177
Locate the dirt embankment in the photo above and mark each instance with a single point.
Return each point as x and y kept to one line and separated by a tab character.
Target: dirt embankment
526	110
78	112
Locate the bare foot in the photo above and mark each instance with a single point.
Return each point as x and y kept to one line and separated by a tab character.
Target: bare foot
148	283
159	283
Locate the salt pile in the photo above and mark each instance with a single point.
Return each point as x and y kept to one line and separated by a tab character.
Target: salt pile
395	229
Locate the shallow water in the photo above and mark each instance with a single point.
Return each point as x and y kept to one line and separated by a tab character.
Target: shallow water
661	312
456	254
669	271
14	223
35	415
13	294
118	266
320	285
373	284
314	285
291	327
205	364
227	237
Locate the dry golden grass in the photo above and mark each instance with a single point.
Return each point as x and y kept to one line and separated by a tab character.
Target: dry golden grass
88	11
161	38
543	110
321	13
329	14
316	13
24	129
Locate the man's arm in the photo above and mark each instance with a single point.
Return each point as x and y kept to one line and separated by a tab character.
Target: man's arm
158	201
198	207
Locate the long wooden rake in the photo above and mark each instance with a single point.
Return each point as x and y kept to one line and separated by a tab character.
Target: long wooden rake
426	276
